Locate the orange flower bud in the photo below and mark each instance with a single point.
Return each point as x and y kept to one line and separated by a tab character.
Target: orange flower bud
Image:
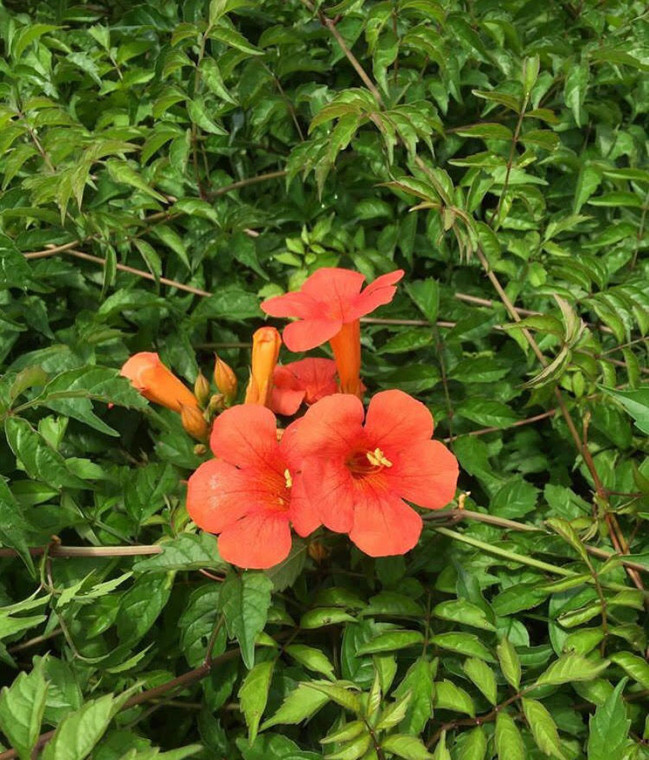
202	389
265	352
225	380
156	382
194	422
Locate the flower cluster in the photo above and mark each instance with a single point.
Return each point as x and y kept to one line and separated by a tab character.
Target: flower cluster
336	466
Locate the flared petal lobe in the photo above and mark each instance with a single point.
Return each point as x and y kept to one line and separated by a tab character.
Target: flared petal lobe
246	437
426	473
331	428
308	334
384	525
257	541
377	293
156	382
395	420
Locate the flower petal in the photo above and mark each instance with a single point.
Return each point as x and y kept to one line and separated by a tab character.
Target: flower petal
257	541
303	515
218	495
316	375
332	427
285	400
426	473
310	333
376	294
296	304
246	436
335	287
331	493
395	420
384	525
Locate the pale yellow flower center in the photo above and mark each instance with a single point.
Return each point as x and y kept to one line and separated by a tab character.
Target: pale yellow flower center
378	459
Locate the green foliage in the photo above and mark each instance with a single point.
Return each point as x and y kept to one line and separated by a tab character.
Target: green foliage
164	167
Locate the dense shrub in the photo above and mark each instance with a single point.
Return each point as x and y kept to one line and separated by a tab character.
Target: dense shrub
166	166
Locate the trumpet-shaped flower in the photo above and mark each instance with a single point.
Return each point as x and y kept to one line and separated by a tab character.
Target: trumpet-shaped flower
328	307
252	492
328	299
157	383
357	475
307	380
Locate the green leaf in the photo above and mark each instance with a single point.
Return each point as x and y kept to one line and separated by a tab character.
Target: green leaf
297	706
487	412
473	744
574	91
636	404
418	684
544	729
509	742
21	710
510	663
312	659
483	677
570	668
608	728
198	623
391	641
337	693
190	551
407	747
14	528
425	295
448	696
461	611
245	600
463	643
41	462
79	732
633	666
125	174
487	132
441	751
198	114
253	695
140	606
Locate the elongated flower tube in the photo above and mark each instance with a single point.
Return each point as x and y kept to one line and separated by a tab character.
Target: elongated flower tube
265	351
157	383
328	307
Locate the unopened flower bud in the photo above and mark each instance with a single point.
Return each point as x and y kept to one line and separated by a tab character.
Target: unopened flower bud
317	551
225	380
156	382
194	422
217	404
265	351
200	449
202	389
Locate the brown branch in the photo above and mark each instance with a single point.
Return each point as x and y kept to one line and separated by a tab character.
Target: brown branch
58	550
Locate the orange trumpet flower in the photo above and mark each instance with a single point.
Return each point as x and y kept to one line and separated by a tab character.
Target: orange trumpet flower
157	383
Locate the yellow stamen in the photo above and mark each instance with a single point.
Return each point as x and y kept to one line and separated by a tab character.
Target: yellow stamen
288	478
378	459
